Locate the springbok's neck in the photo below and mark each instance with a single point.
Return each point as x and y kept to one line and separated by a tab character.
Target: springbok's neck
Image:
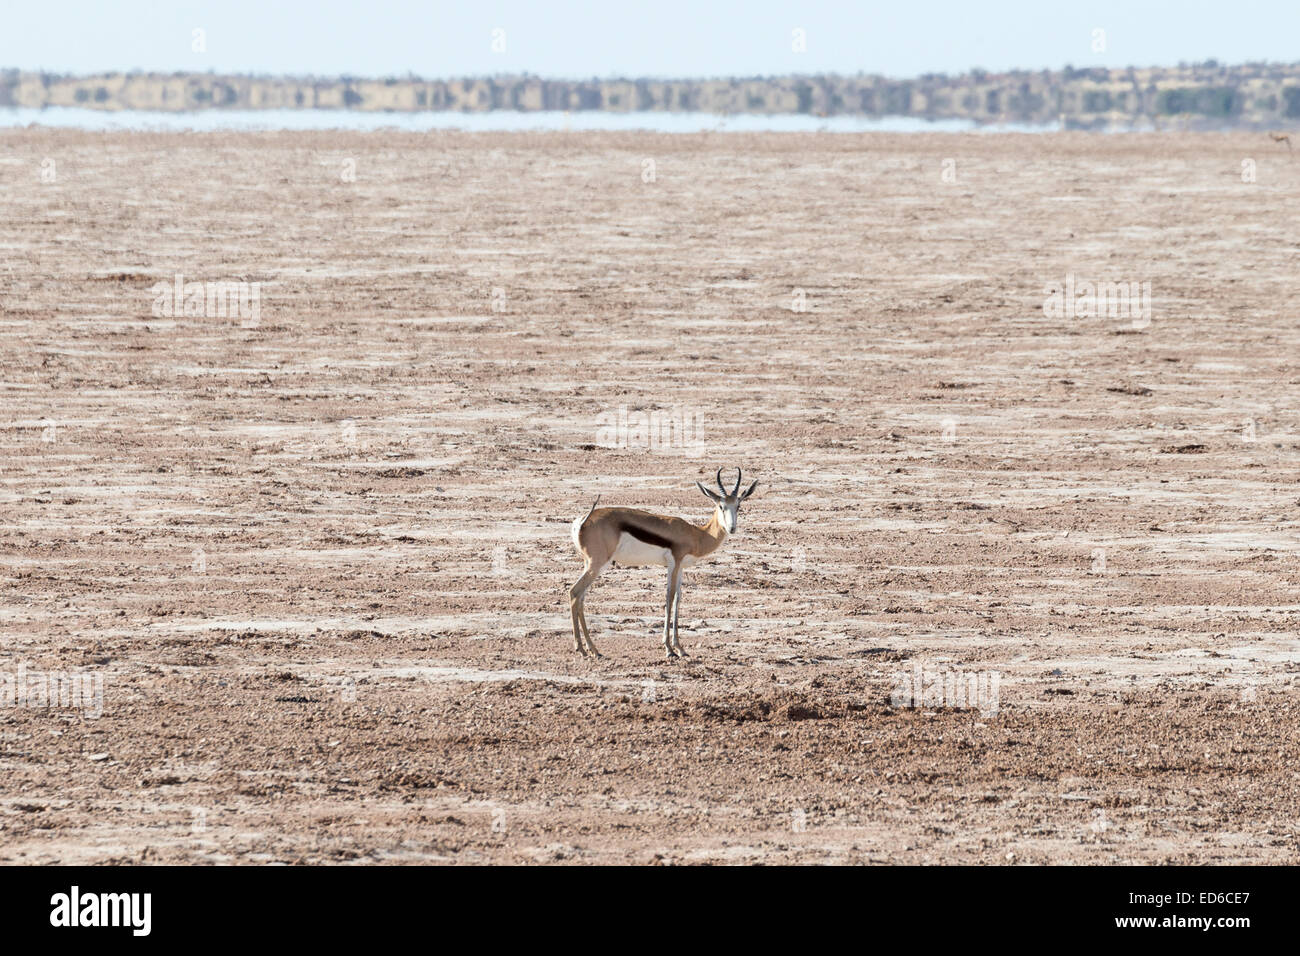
716	531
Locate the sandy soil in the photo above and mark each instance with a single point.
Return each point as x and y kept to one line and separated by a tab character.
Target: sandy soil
320	562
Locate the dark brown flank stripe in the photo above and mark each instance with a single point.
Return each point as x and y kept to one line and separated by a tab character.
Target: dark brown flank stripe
641	534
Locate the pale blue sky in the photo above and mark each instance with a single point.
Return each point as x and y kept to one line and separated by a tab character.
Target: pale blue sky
624	38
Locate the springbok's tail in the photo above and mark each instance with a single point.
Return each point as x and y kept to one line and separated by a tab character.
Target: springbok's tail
576	530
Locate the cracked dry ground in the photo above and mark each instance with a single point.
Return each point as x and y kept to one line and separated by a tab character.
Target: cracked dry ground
320	561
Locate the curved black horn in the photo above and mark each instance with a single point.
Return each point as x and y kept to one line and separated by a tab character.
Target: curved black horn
736	490
721	487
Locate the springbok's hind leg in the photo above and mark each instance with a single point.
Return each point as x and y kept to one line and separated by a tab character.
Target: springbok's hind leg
586	633
574	611
578	611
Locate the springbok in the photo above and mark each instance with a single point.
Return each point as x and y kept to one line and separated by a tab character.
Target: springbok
635	538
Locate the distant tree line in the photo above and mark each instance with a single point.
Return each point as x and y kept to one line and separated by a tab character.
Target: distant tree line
1207	93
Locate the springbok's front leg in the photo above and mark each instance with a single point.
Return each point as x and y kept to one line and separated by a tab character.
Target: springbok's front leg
677	608
674	584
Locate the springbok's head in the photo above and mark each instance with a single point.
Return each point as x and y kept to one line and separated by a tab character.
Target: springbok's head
728	502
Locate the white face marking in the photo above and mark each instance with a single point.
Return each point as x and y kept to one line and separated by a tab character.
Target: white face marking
727	515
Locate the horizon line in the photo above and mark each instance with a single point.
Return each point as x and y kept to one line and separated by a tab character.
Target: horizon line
1210	64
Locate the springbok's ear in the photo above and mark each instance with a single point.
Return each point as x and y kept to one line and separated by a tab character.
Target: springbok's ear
750	490
712	496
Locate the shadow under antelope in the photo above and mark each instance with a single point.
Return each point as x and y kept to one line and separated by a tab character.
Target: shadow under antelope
635	538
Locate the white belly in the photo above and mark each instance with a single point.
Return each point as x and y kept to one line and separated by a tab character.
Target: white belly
635	553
